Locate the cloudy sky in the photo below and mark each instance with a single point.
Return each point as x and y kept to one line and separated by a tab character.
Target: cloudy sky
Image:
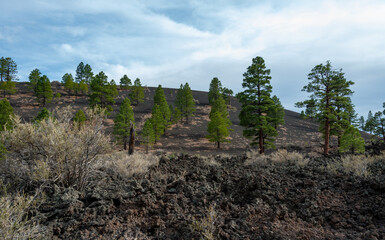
170	42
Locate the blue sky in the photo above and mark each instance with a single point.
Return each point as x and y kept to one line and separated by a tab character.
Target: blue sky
170	42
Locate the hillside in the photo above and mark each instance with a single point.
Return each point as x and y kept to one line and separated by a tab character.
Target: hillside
296	133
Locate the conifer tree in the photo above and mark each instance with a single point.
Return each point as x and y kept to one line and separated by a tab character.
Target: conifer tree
277	112
8	88
8	74
219	125
87	74
361	123
379	129
8	70
185	102
103	93
157	122
330	91
80	118
6	111
227	94
352	141
68	82
137	93
148	136
123	122
257	106
176	115
42	115
43	91
125	82
160	99
34	77
214	90
80	76
370	123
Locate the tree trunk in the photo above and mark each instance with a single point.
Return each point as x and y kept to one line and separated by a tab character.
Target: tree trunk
261	150
132	140
327	136
125	143
147	148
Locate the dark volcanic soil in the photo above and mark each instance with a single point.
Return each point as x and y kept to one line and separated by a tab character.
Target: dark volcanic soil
263	201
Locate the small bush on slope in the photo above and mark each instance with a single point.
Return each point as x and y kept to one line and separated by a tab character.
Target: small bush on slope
53	150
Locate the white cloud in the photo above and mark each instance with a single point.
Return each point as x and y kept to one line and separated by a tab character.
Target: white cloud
140	39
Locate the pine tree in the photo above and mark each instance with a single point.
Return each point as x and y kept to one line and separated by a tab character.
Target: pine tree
277	112
361	123
310	108
157	122
87	74
370	123
160	99
8	88
214	90
8	70
68	82
257	106
185	102
42	115
176	115
8	74
148	136
43	91
227	94
352	141
219	125
137	93
80	76
103	93
6	111
379	129
330	93
123	122
34	77
125	82
79	118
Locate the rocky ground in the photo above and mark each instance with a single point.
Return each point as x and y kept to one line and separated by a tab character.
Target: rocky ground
192	197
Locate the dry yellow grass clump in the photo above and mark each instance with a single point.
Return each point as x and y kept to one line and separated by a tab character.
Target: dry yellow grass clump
128	165
280	156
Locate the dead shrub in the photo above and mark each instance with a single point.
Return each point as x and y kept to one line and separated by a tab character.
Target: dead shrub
255	158
206	226
282	155
54	150
355	164
128	165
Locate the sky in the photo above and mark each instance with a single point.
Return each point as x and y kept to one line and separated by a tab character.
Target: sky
170	42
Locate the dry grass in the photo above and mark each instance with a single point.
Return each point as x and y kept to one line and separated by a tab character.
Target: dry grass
128	165
280	156
255	158
283	155
210	161
14	222
206	226
355	164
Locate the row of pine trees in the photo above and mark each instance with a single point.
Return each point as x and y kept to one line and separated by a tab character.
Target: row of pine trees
261	115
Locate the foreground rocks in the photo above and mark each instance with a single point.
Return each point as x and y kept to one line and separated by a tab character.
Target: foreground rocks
188	197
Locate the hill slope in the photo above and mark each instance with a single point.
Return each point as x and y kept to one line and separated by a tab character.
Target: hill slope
296	133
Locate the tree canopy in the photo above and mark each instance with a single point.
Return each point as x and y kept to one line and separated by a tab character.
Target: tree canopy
43	90
257	113
137	92
185	102
219	124
329	100
123	122
103	92
6	111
